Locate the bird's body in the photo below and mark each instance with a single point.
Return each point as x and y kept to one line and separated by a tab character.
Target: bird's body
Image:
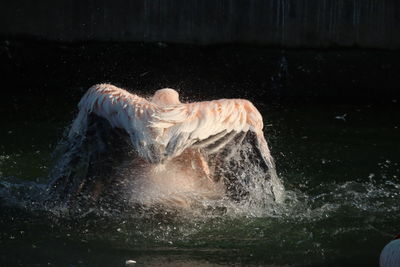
163	129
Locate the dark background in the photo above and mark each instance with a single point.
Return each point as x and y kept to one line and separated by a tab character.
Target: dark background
285	51
293	23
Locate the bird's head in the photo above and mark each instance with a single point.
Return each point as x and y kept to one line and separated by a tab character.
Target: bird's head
165	97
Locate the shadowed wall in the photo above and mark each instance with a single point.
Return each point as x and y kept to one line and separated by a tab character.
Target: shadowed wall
294	23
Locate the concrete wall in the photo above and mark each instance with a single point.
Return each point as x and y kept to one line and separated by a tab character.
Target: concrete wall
311	23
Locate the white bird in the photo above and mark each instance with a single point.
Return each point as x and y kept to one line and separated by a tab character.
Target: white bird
163	129
390	255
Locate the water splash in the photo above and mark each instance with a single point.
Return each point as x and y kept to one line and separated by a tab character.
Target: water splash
101	167
311	221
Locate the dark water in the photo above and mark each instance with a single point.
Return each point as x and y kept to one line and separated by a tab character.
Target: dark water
340	165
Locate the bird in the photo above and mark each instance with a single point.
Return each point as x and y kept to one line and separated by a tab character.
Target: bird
162	129
390	255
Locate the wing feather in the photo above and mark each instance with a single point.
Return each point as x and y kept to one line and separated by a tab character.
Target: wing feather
199	124
122	110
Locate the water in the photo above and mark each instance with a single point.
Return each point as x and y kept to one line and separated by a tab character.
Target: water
341	174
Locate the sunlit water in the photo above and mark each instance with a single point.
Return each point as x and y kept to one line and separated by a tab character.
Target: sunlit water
341	174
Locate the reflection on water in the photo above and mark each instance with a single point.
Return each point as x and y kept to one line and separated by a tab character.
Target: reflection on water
342	180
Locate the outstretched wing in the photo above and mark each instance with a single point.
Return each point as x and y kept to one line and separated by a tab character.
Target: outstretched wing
122	110
210	124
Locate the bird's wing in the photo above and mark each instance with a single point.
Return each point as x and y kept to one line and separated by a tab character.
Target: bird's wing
122	110
211	126
208	124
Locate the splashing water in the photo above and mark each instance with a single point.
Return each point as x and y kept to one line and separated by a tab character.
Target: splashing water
325	218
311	223
102	166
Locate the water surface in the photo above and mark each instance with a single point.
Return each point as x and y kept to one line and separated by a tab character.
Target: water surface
340	165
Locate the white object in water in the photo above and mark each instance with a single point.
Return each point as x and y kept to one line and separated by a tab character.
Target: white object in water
390	255
130	262
341	117
164	127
